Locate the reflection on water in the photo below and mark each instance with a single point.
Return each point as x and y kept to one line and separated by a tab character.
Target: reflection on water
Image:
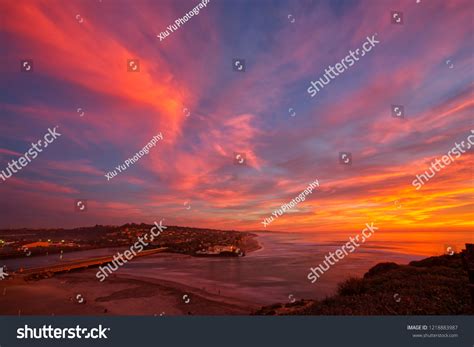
279	269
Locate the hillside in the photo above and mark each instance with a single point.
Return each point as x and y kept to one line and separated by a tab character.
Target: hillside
432	286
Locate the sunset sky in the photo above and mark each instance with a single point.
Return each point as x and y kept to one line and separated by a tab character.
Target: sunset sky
84	65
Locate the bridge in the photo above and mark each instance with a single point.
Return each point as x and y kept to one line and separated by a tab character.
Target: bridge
83	263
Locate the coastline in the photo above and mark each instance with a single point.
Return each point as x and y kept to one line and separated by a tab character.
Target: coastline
250	243
431	286
79	293
437	285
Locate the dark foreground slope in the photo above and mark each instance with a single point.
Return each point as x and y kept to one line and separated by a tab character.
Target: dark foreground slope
432	286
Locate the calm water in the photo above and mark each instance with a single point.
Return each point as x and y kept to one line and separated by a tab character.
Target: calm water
278	270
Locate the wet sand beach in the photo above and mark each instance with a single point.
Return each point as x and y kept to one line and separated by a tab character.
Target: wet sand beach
80	293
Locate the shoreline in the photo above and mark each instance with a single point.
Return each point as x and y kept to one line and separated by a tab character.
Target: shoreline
80	293
247	242
385	289
437	285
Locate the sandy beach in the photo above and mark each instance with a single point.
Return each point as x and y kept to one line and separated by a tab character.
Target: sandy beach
80	293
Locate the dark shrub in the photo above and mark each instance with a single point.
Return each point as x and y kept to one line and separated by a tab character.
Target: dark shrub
380	269
352	286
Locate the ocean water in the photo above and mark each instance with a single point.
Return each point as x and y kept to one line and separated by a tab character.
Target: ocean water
278	272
